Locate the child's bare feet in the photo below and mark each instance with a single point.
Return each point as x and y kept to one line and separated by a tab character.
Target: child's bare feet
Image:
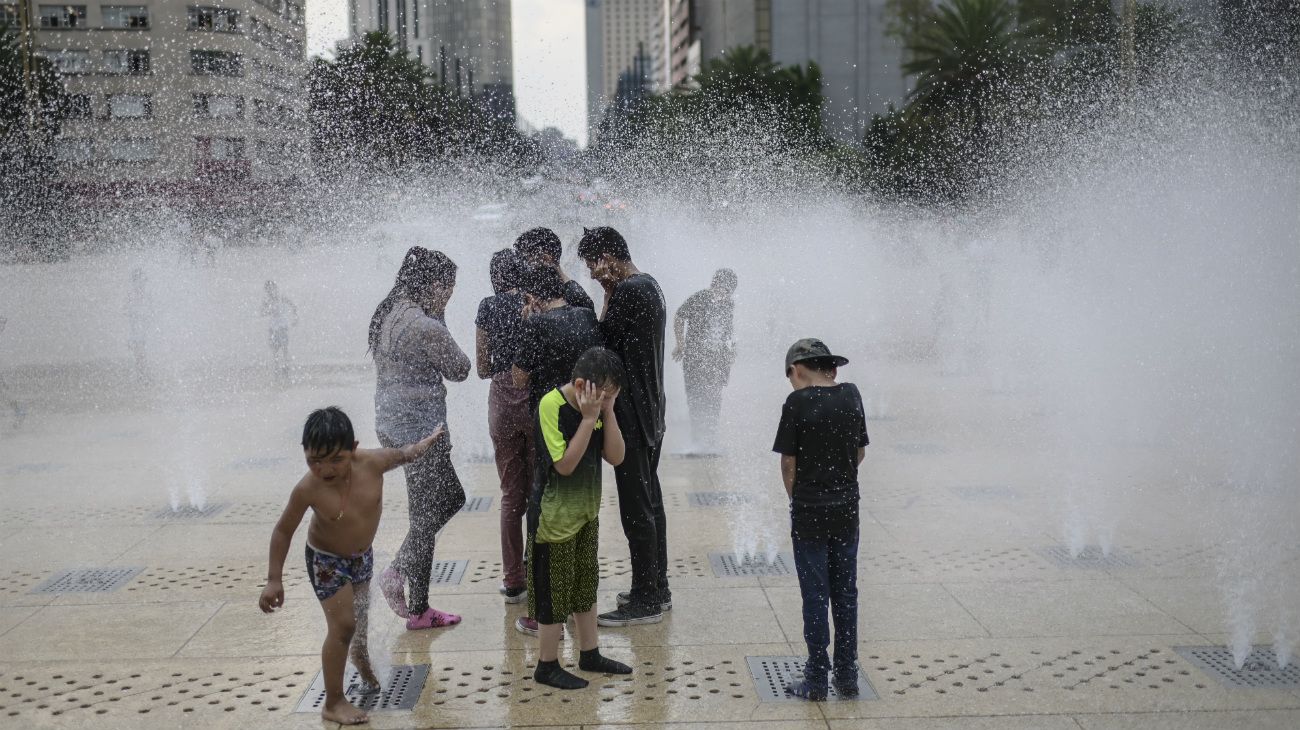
344	713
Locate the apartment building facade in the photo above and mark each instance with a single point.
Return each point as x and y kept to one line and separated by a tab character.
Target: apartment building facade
173	95
466	44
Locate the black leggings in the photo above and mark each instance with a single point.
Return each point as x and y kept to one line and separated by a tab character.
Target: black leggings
641	506
434	495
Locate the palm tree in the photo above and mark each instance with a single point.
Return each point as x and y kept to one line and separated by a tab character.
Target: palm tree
966	53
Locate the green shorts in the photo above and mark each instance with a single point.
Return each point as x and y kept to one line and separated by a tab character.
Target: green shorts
563	576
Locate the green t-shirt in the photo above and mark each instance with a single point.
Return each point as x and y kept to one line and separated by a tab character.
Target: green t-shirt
570	502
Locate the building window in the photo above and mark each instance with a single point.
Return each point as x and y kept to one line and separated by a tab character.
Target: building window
126	16
216	63
74	150
126	61
77	106
9	16
70	62
217	106
216	20
63	16
220	148
133	149
129	106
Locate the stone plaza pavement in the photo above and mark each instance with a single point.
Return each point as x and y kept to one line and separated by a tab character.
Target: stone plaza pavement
971	613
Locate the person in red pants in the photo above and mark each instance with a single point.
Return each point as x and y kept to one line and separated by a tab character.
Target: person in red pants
499	321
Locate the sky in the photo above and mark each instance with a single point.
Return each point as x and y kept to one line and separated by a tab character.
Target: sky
549	57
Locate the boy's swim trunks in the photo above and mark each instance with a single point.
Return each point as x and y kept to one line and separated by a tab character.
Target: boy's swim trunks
329	572
563	576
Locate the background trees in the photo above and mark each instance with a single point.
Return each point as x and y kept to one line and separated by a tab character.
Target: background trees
31	109
374	107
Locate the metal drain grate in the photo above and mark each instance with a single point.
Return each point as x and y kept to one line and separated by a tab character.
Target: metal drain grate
1260	670
477	504
730	565
1091	557
717	499
984	493
772	674
448	572
401	689
921	449
88	580
189	512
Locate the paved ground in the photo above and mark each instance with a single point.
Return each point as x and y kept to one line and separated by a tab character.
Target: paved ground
967	619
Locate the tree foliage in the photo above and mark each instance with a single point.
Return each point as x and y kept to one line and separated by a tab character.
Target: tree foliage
28	124
375	107
982	66
740	106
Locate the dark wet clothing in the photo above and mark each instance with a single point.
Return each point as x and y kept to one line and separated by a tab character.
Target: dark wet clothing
550	345
707	354
823	427
634	330
501	317
576	296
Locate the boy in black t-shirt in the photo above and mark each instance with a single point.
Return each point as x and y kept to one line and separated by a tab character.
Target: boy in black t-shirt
822	439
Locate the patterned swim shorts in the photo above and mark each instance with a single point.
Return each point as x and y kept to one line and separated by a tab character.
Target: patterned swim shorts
329	572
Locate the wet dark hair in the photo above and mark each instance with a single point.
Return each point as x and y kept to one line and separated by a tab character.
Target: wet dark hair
327	430
505	270
602	240
600	366
539	241
543	282
421	269
725	277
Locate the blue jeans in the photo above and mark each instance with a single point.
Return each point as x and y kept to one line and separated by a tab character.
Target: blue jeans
828	573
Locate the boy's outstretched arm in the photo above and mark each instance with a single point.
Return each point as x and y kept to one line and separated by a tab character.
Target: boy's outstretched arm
273	594
395	457
787	474
614	448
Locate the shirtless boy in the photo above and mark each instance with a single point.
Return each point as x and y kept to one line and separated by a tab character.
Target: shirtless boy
344	488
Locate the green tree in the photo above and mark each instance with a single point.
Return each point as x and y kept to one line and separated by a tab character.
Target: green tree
740	105
967	55
376	106
29	187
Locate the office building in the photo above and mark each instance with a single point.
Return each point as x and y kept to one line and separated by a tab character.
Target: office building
618	32
175	95
466	44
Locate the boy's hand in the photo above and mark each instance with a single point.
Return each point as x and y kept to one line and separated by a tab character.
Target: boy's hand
607	401
417	449
590	401
677	353
272	596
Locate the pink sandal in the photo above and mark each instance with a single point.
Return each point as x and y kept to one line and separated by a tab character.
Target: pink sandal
432	618
393	586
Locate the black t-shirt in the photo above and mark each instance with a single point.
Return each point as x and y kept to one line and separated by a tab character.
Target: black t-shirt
823	427
709	325
500	316
634	330
575	295
550	345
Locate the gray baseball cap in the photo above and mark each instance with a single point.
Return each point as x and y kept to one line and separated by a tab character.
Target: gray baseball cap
811	348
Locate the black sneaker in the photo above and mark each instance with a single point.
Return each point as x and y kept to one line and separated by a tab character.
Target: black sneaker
624	598
846	686
633	614
514	595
